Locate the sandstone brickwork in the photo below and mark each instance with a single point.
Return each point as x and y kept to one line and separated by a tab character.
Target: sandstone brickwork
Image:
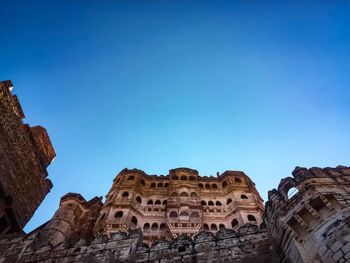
25	153
313	225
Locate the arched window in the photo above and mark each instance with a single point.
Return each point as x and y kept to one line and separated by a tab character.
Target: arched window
203	202
292	191
244	197
160	185
153	185
184	194
139	199
154	227
218	203
183	178
174	194
175	177
234	222
146	227
195	214
134	220
131	177
224	184
183	213
193	194
157	202
142	182
229	201
150	202
173	214
125	194
205	227
213	227
222	226
211	203
200	185
166	185
192	178
214	186
251	218
119	214
162	226
237	180
207	186
165	202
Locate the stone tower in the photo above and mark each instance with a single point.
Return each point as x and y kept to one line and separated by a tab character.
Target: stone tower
25	153
308	216
183	202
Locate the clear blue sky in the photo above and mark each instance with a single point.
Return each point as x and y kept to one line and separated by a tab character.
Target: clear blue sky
258	86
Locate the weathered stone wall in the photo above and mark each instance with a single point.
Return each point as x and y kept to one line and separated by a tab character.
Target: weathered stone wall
25	153
314	224
247	245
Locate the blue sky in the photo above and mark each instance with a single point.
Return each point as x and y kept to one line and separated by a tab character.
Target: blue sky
258	86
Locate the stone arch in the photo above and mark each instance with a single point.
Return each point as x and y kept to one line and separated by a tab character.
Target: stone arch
229	201
184	178
211	203
134	220
193	194
150	202
175	177
157	202
214	186
285	185
203	203
192	178
244	196
119	214
213	227
222	226
139	199
154	227
153	185
146	227
238	180
166	185
165	202
251	218
224	184
162	226
205	227
131	177
125	194
200	185
207	186
218	203
184	194
160	185
173	214
142	182
234	222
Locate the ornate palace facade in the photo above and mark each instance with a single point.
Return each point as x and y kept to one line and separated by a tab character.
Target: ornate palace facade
183	202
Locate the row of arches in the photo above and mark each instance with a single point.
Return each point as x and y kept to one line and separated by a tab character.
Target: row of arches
184	178
234	223
153	227
157	202
184	194
174	214
120	214
218	203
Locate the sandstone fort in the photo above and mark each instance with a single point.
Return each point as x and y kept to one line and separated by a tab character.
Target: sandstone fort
178	217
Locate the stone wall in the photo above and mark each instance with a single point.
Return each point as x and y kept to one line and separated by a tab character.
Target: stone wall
25	153
249	244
